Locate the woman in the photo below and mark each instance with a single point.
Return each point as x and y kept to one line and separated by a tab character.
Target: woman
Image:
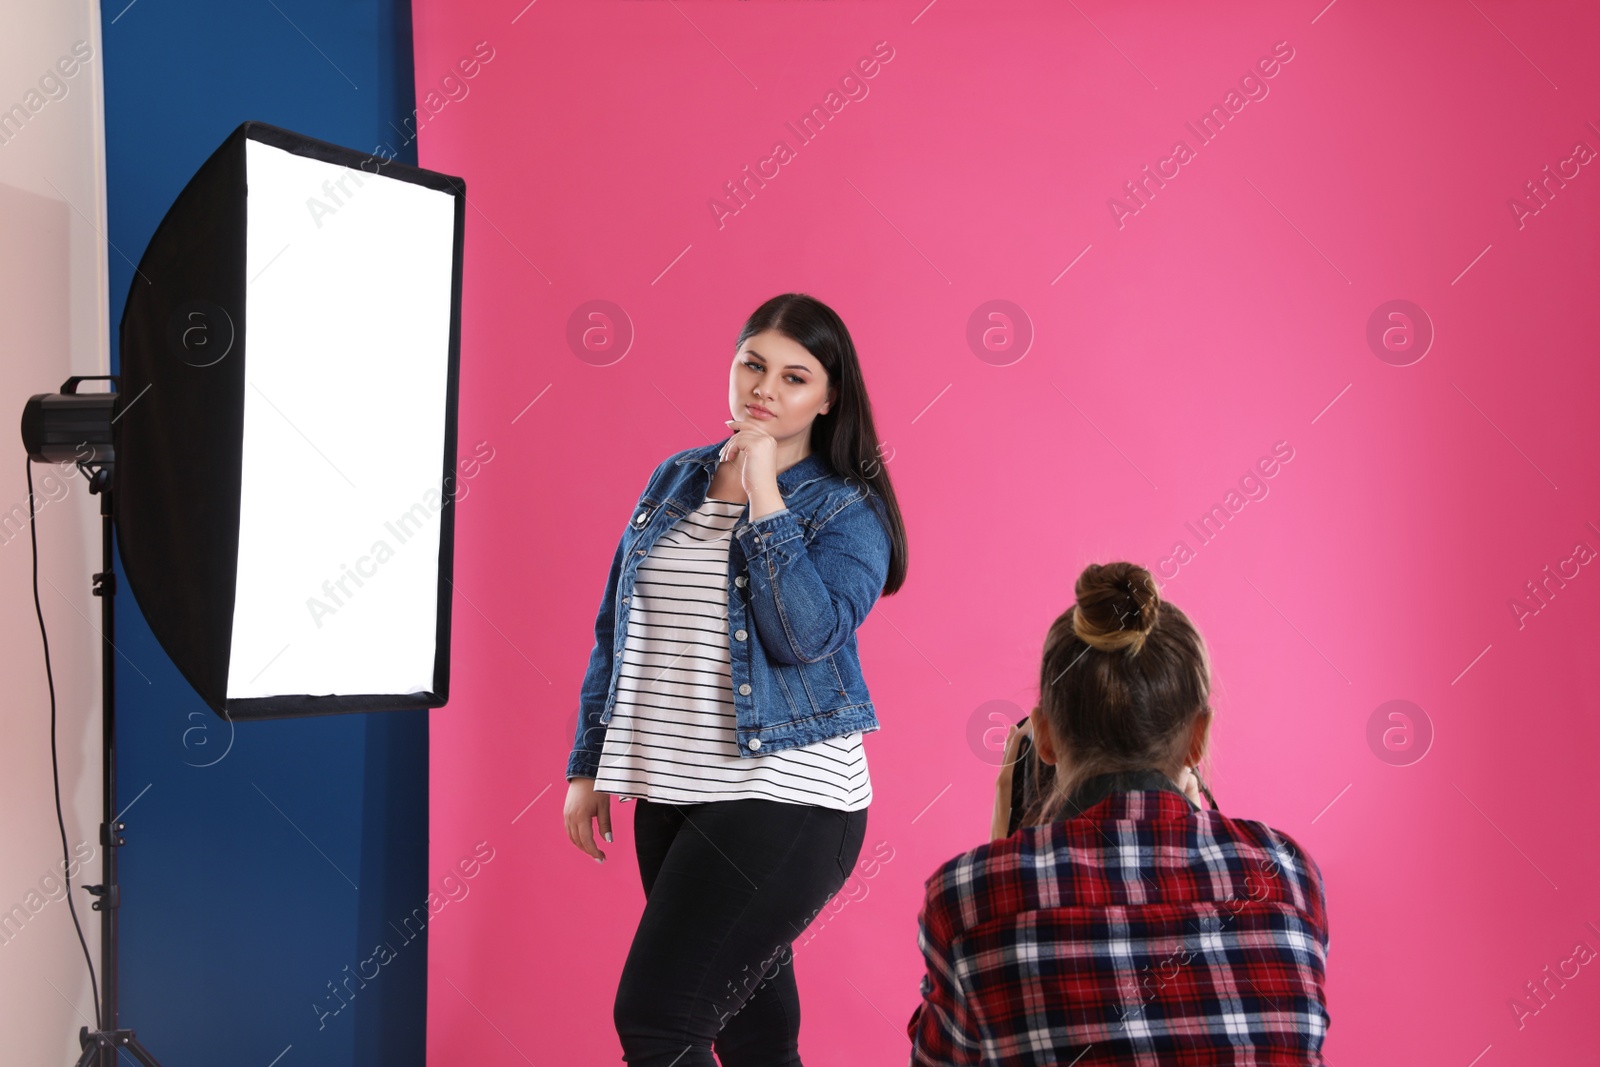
725	694
1122	923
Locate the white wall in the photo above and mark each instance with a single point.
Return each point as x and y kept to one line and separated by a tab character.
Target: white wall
53	323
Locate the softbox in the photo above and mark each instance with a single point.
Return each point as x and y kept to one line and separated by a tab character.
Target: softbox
285	436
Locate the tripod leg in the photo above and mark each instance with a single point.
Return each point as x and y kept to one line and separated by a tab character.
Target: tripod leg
140	1053
94	1048
113	1046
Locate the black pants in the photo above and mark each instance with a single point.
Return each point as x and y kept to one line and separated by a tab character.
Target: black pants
729	885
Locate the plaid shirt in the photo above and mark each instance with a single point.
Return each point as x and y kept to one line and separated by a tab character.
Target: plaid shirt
1144	931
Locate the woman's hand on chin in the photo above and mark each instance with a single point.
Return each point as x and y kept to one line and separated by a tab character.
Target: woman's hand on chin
757	453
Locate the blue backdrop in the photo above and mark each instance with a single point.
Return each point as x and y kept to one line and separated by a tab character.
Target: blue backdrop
263	864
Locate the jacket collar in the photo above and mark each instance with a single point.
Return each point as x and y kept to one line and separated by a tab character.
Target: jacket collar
813	466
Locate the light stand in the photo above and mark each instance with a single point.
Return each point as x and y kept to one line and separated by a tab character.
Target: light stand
57	427
100	1046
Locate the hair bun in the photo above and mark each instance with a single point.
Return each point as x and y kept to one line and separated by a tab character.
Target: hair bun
1118	605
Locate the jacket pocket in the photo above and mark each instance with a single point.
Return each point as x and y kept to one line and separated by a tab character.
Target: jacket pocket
642	514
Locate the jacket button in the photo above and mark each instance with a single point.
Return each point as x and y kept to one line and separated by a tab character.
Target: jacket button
744	690
755	743
626	599
739	581
638	552
740	634
639	518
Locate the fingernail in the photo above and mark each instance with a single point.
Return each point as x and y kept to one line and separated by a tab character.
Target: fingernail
608	835
599	859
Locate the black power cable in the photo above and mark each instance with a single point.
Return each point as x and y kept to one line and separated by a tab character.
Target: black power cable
55	763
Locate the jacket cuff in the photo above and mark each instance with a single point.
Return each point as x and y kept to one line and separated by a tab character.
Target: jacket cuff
759	535
583	764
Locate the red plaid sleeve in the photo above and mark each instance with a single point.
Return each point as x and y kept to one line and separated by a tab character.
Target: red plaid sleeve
941	1029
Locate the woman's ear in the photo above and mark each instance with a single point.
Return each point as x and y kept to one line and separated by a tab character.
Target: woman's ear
1043	743
1199	735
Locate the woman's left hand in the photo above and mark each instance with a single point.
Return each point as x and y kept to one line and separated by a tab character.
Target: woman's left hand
758	453
1000	820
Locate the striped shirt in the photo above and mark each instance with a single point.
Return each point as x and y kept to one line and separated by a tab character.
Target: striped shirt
672	733
1141	932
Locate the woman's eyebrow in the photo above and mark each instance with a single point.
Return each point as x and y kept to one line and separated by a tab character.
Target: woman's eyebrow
792	366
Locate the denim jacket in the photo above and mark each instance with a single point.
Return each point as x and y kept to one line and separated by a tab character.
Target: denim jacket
800	581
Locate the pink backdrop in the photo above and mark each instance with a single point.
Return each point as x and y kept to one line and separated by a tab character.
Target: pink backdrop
1140	362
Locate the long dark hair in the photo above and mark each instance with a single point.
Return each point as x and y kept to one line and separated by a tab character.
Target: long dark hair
1124	674
844	435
